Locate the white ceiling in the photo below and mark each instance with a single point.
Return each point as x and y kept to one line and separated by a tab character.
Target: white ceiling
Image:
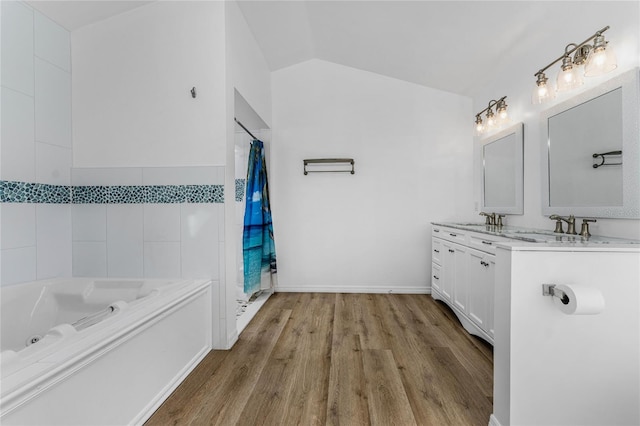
449	45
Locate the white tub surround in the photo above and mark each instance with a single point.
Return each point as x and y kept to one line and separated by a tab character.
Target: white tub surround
107	352
551	368
464	262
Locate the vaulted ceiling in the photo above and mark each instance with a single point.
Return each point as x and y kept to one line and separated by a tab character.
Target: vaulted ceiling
454	46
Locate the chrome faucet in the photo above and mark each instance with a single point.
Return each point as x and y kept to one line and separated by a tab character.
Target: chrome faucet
571	222
490	218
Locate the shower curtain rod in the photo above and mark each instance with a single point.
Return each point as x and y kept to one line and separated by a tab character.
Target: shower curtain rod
244	128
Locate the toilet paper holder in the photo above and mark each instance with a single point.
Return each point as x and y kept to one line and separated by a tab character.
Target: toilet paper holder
551	290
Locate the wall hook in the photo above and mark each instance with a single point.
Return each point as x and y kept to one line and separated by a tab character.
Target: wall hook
193	92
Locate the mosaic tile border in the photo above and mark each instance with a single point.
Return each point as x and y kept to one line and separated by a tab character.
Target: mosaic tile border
26	192
23	192
240	188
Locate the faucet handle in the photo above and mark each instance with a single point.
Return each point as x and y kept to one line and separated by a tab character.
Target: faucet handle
499	219
584	231
558	220
487	216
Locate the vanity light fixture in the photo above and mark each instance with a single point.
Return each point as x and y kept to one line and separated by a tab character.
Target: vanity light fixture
494	120
588	60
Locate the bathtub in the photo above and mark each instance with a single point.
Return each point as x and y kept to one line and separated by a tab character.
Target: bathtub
98	351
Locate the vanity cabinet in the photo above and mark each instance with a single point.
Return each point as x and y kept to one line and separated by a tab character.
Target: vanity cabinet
463	275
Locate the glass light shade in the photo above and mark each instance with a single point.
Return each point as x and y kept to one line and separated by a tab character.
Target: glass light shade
491	120
542	93
569	78
479	126
601	60
502	113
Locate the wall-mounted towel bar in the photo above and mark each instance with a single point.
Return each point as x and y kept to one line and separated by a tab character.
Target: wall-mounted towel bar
329	162
604	155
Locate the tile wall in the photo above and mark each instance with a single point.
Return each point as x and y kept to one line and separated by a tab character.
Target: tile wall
164	222
35	145
59	222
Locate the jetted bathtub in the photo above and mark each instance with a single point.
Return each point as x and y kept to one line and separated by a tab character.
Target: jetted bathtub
98	351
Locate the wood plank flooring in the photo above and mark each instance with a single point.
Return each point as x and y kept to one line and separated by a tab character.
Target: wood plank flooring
341	359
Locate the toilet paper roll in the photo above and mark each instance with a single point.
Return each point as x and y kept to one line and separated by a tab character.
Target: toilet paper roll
581	300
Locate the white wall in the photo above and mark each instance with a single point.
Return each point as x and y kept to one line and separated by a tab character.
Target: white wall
35	143
135	123
413	164
132	76
514	78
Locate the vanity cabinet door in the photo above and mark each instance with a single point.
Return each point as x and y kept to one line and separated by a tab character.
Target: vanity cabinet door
453	282
481	273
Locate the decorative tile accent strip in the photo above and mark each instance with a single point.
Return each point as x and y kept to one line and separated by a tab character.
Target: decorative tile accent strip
90	194
25	192
240	188
126	194
166	194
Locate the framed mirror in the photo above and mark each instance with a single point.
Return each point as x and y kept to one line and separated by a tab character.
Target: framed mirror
502	171
591	154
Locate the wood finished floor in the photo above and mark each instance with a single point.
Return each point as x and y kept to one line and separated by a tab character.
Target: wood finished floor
341	359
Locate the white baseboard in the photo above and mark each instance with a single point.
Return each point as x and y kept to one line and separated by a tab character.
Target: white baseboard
353	289
493	421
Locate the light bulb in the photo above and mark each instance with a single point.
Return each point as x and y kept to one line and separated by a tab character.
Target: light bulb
501	109
601	59
479	126
491	119
569	77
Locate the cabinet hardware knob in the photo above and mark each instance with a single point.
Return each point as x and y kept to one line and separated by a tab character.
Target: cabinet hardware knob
436	277
437	251
451	251
453	235
436	230
487	242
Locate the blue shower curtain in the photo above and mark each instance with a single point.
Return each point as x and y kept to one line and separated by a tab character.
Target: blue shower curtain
258	245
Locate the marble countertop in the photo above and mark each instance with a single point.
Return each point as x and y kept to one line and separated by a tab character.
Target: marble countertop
532	235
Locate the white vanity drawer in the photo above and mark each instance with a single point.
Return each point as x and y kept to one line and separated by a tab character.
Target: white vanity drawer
449	234
483	242
436	250
435	276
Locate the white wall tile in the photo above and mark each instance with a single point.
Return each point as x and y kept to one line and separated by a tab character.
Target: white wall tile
53	164
18	137
52	104
52	42
18	225
199	223
89	222
181	176
125	240
162	260
89	259
17	46
18	265
53	224
162	222
107	176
